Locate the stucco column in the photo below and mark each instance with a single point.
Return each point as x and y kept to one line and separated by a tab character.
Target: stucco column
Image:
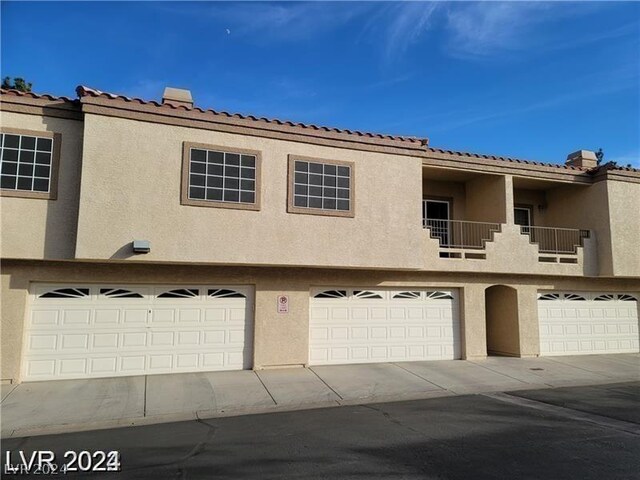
15	289
528	321
508	198
281	339
473	326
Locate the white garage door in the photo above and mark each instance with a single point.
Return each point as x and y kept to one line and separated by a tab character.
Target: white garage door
575	323
369	325
81	331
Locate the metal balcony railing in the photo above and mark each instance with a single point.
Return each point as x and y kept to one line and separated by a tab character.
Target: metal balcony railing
557	241
461	234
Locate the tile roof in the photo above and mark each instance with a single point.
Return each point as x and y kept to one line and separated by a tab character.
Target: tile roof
83	91
504	159
87	91
615	166
18	93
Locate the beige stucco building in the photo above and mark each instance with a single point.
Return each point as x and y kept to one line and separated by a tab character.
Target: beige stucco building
156	237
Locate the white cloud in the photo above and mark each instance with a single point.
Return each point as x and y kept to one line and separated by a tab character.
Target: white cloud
289	21
485	28
407	23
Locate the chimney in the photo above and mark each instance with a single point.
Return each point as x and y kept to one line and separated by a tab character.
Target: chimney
177	97
582	159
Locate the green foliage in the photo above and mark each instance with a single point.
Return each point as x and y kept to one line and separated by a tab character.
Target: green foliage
18	84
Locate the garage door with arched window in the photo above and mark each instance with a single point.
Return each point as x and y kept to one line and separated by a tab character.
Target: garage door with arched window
84	331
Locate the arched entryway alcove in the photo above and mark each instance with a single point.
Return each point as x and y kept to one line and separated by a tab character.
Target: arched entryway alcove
501	310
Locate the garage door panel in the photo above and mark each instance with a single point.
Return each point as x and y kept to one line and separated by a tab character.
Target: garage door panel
581	323
398	326
127	331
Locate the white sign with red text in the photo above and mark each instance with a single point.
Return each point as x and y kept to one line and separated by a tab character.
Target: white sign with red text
283	304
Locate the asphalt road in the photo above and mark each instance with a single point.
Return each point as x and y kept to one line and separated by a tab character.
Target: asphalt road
582	433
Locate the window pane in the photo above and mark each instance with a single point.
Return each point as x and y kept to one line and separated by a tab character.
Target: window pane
329	204
249	173
9	168
248	161
198	155
11	141
41	171
231	183
301	190
343	182
41	185
329	192
214	194
343	171
26	156
10	154
197	180
329	181
248	185
247	197
215	169
232	159
45	144
43	158
315	179
315	202
24	183
225	174
301	166
302	178
299	201
231	171
215	182
315	191
343	204
329	169
7	182
315	167
195	167
231	196
216	157
197	193
28	143
25	169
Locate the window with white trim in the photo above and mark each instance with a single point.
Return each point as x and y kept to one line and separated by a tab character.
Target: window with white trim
221	176
322	186
26	163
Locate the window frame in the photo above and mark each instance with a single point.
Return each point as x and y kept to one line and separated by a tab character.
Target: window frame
292	208
184	190
52	194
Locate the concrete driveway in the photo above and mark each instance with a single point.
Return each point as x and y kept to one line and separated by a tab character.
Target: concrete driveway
555	433
39	408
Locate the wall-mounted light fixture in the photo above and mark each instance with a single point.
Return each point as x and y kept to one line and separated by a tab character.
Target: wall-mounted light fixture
141	246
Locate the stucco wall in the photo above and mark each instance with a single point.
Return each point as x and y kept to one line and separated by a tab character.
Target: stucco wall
282	339
37	228
455	191
487	198
585	207
131	182
533	199
624	212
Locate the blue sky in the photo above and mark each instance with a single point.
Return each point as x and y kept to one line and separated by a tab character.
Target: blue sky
529	80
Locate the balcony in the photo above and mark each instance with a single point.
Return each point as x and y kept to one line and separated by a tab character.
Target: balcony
457	237
556	245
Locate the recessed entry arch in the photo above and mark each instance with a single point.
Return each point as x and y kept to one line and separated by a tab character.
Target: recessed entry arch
502	323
